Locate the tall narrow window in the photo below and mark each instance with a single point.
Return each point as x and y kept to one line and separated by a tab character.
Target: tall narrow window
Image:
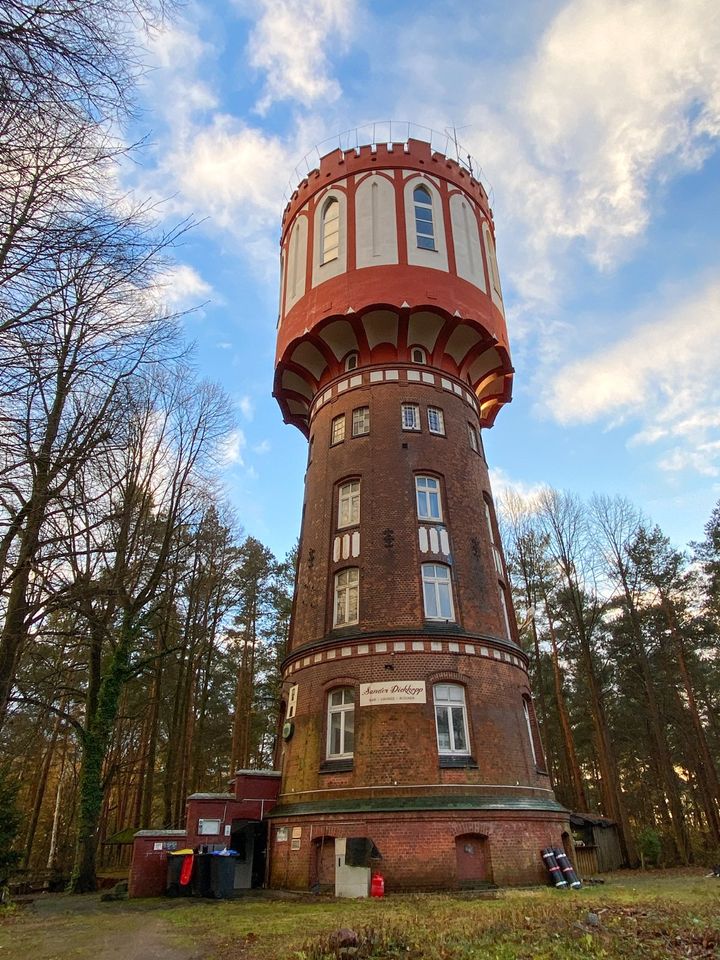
473	437
330	231
531	738
437	592
436	420
410	416
427	492
351	361
349	504
341	724
497	559
337	430
346	597
451	719
418	355
361	421
492	260
424	218
505	611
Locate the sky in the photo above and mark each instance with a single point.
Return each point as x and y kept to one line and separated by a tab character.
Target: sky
596	128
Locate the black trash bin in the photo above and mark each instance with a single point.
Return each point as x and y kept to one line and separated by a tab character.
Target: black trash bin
202	875
174	869
222	874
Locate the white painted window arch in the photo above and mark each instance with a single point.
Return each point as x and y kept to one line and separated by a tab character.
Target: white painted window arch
330	241
424	224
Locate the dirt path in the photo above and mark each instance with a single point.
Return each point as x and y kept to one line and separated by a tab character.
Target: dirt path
83	928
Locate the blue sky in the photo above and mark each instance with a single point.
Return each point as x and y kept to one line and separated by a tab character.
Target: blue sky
597	128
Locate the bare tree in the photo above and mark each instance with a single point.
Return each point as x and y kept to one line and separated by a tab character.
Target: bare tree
152	492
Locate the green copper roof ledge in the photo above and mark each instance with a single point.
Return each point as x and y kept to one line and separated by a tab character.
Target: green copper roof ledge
413	804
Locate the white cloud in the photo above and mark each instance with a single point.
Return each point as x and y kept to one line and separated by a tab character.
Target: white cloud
504	486
262	447
664	375
182	287
247	407
175	85
620	91
232	448
290	42
617	97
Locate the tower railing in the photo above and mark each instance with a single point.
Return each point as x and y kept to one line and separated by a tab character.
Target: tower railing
388	132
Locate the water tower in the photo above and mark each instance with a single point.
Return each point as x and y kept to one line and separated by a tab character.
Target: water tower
409	721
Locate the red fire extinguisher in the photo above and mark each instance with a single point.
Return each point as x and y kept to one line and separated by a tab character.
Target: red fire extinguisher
377	885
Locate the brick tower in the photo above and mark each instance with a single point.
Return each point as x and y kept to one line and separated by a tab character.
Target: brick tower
408	716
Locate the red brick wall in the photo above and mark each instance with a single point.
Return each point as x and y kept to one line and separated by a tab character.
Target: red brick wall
148	870
386	462
396	743
418	850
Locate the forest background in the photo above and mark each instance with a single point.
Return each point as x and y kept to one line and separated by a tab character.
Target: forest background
142	632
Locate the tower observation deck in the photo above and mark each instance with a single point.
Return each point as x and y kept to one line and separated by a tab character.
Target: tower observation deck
409	720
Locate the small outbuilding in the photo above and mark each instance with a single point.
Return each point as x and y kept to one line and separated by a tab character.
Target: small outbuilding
597	844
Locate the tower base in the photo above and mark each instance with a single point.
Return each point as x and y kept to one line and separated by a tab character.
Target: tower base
445	849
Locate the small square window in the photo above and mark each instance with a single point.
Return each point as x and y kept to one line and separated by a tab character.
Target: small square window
436	420
337	433
361	421
410	416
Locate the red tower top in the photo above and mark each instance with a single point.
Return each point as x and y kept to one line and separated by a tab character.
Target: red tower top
359	289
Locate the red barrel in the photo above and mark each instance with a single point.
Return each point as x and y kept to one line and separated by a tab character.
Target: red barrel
377	885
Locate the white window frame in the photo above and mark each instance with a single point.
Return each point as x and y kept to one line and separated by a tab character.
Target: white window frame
426	487
473	434
528	721
410	422
341	710
436	412
338	422
291	702
348	503
361	421
420	207
418	355
437	585
505	610
209	826
445	703
351	361
346	596
330	249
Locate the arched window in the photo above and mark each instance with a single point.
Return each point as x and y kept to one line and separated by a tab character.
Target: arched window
347	589
330	230
341	723
451	719
424	230
349	504
351	361
418	355
437	592
427	494
504	608
536	747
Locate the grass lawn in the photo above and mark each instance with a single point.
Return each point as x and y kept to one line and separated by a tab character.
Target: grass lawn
633	916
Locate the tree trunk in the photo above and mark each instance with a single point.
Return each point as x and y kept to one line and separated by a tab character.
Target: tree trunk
95	743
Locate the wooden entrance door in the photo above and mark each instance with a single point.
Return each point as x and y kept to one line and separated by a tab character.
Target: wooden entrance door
324	862
473	859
